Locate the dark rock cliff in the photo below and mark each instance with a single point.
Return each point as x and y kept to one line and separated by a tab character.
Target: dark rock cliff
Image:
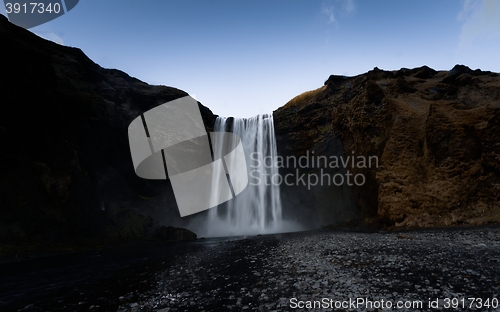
66	170
435	134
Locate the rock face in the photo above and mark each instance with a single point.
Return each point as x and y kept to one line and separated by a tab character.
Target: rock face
169	233
435	134
66	170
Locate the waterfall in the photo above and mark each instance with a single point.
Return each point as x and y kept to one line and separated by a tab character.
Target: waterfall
256	210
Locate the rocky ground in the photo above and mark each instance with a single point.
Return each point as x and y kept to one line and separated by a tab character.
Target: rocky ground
424	270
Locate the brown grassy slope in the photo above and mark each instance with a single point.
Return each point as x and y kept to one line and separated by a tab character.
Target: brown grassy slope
435	133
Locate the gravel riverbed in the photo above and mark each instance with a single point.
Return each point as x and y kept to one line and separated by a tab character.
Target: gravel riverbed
434	270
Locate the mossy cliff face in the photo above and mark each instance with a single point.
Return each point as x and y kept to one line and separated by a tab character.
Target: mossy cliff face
66	170
435	134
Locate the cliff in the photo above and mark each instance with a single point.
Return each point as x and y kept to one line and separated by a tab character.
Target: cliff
435	134
66	170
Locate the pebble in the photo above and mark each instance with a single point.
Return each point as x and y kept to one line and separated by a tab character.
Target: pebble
263	273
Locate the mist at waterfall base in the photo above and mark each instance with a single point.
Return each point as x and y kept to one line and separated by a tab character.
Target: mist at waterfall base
257	209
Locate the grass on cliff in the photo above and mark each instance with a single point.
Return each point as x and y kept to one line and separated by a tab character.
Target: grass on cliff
304	99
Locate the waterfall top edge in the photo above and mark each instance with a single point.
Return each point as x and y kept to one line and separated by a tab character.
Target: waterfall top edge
259	116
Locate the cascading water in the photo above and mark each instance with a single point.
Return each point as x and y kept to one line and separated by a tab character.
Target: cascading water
258	208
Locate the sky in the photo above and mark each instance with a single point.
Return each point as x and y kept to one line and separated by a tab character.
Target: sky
242	58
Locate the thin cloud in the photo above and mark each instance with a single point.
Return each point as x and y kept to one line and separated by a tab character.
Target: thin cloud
481	19
349	6
328	11
331	8
469	7
51	36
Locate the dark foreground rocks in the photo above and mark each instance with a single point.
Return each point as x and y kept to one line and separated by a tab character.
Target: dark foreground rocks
424	271
170	233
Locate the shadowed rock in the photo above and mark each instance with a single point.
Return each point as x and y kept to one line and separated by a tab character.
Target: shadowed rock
434	132
67	175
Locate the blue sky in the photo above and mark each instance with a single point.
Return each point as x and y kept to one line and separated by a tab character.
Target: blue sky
242	58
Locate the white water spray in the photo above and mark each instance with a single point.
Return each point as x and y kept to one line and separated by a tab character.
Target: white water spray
256	210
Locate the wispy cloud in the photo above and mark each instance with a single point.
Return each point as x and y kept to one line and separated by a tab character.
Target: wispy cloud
481	19
49	35
349	6
328	11
332	8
